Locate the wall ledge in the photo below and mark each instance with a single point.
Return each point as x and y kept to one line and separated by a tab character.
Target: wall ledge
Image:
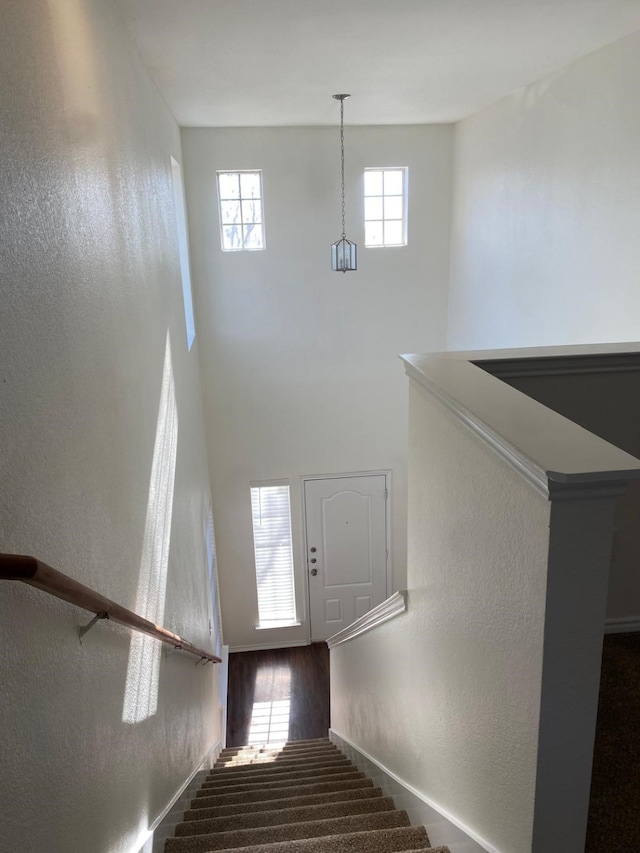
558	458
394	605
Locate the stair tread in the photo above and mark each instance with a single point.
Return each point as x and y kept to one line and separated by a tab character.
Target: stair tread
206	800
327	749
258	770
231	809
283	781
205	843
300	798
266	774
268	759
295	814
408	839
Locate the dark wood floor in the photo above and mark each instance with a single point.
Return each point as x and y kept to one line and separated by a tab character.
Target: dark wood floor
276	695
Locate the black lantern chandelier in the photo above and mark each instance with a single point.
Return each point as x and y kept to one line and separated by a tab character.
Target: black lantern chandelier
343	251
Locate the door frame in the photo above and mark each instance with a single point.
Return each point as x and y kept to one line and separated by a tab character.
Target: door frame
389	562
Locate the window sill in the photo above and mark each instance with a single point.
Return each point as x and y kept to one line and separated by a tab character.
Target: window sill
273	625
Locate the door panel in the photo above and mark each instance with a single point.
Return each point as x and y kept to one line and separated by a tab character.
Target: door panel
347	549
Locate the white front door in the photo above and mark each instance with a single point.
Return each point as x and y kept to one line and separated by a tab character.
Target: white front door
346	527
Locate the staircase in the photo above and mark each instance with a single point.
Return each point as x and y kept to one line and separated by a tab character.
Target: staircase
305	797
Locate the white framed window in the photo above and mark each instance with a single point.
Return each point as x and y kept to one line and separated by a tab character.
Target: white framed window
273	551
385	207
241	209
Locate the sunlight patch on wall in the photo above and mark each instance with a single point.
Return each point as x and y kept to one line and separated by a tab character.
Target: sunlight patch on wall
76	56
143	670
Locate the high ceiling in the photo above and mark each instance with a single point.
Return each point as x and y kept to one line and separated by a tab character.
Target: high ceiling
277	62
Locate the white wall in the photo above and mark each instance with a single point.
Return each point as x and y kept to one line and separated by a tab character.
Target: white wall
547	210
300	370
482	697
93	749
447	696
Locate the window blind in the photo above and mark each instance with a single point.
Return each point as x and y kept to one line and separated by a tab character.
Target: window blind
271	513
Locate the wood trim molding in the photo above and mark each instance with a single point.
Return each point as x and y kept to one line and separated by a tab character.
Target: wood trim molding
393	606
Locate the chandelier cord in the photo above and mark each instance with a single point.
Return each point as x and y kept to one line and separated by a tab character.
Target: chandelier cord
344	234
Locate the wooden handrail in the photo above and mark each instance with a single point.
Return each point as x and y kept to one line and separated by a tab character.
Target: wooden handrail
38	574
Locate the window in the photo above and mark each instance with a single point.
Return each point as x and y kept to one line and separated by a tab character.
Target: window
241	211
271	513
183	250
385	207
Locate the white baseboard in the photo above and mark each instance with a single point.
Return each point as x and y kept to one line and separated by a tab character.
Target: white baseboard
442	827
258	647
622	625
153	838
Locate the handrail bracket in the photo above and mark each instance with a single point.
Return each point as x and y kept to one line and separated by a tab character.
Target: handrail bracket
84	629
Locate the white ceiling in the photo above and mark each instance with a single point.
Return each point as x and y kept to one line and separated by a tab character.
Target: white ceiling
277	62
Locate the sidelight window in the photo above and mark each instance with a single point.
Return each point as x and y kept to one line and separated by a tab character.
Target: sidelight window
271	515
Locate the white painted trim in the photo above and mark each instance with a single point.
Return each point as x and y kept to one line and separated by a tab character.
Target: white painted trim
257	647
174	810
532	473
395	604
558	458
622	625
442	827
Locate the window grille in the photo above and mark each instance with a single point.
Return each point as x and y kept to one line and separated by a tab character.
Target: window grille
385	207
241	211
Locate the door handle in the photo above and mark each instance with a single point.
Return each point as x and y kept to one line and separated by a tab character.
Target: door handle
314	572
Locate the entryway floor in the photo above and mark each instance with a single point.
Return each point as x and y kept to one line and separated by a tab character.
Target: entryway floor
278	695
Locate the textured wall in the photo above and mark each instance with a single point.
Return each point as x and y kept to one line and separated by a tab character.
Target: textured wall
102	463
300	370
547	210
447	696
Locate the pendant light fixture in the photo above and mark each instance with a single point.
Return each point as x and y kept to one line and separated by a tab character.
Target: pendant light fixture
343	251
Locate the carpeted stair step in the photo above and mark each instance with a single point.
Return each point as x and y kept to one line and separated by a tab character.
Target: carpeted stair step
294	814
245	807
280	780
258	771
410	839
290	746
205	800
247	763
274	752
301	798
206	843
